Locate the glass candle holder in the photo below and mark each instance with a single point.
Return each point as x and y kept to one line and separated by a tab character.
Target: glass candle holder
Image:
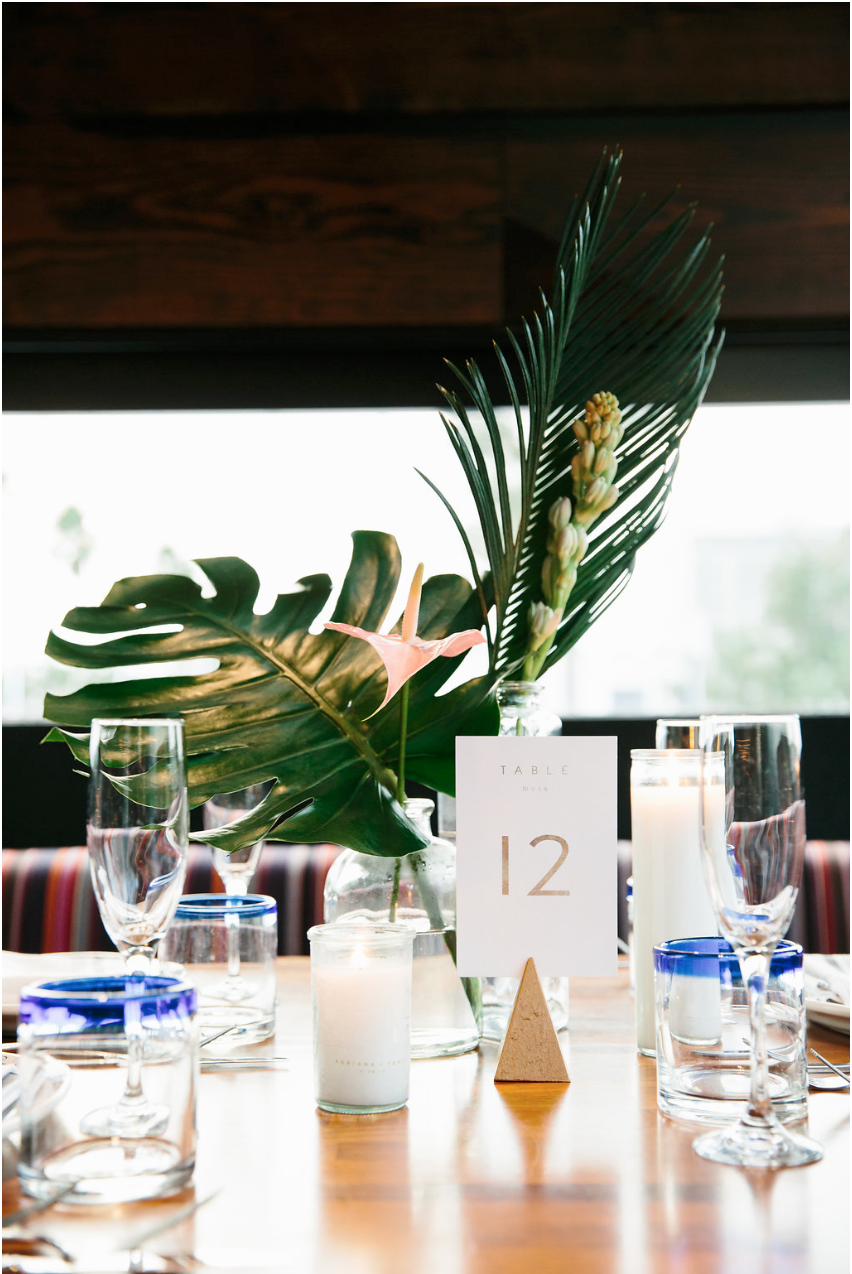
703	1032
670	896
226	945
125	1044
678	732
361	994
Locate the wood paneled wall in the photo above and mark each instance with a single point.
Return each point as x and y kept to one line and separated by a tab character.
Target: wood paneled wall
363	166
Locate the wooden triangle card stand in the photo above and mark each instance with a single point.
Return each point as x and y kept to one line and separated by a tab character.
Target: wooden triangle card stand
530	1050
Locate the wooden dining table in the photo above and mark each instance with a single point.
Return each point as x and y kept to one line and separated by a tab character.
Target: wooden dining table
473	1177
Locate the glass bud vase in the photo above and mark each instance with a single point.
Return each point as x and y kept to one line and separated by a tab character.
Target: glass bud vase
445	1008
522	713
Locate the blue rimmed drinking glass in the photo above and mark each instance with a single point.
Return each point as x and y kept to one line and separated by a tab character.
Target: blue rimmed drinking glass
207	932
703	1056
113	1034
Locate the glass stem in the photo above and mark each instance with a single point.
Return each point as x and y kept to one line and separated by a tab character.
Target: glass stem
139	960
235	888
133	1095
755	972
232	929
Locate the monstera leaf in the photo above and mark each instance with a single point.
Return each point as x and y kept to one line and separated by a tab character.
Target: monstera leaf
283	703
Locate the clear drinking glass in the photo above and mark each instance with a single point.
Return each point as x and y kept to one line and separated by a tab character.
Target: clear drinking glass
92	1025
137	835
703	1029
753	843
199	940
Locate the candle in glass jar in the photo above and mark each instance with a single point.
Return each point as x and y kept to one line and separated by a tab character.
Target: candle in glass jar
361	990
670	896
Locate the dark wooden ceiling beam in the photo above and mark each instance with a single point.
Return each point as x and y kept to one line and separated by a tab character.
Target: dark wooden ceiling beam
304	231
380	166
101	60
383	230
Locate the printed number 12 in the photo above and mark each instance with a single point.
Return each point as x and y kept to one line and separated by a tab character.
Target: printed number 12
538	890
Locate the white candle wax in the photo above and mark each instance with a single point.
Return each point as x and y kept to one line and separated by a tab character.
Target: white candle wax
695	1006
670	898
362	1032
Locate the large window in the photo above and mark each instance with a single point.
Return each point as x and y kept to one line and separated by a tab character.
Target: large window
740	602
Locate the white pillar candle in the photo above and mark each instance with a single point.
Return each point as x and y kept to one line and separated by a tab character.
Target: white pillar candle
670	897
361	986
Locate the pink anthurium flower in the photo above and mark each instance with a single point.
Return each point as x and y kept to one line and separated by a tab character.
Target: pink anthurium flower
404	654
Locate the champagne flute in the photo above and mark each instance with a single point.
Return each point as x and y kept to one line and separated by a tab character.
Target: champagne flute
137	836
235	870
753	843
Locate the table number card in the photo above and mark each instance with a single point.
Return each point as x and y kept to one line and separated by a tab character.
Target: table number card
536	870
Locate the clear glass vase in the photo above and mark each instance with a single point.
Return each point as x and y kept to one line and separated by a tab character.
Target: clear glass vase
445	1008
521	713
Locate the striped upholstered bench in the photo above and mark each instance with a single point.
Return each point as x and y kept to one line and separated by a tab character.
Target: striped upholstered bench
821	919
48	903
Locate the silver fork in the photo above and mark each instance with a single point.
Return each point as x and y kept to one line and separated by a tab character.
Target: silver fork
39	1205
843	1075
103	1056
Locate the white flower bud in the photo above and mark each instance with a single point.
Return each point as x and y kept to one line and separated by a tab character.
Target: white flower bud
602	459
595	490
543	621
565	542
588	454
580	430
609	500
559	514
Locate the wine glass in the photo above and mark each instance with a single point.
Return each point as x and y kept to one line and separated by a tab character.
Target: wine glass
753	843
235	870
137	836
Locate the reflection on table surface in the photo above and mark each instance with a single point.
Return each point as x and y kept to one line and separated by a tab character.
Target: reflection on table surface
476	1177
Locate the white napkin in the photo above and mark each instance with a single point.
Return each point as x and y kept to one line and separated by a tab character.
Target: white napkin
827	978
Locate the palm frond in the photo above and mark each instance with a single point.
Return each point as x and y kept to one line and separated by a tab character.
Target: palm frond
633	312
